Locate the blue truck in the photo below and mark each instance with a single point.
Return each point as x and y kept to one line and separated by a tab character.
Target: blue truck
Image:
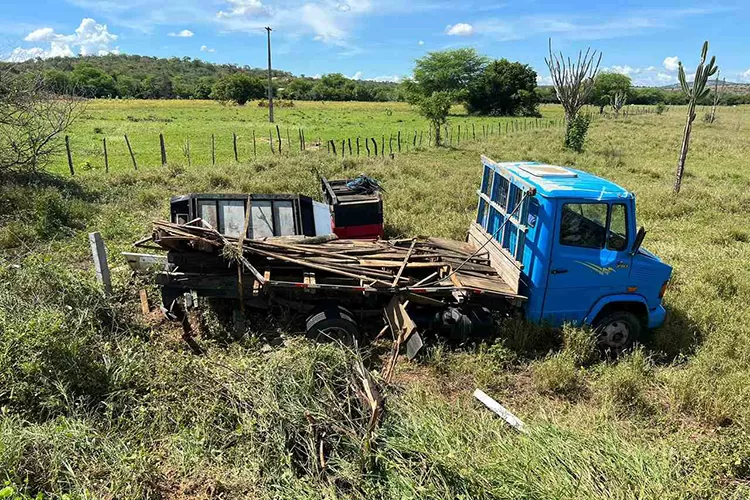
556	244
569	239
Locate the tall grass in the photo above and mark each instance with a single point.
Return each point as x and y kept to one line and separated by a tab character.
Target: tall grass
98	402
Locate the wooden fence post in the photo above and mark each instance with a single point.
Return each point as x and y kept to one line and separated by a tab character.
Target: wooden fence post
390	144
459	135
99	253
349	141
255	151
288	140
187	151
106	158
473	132
414	142
357	145
399	141
213	149
278	134
343	146
234	143
270	140
333	146
130	150
70	155
375	145
367	145
163	148
382	146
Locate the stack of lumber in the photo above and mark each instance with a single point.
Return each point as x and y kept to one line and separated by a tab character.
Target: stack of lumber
389	264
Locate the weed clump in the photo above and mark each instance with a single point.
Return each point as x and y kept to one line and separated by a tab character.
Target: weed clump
625	384
558	375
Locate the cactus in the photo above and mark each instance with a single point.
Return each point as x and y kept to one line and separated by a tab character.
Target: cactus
617	101
694	93
717	96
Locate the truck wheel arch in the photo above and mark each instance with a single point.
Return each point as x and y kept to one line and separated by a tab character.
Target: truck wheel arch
634	304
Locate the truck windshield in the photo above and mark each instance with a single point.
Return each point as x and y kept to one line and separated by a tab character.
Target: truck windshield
584	225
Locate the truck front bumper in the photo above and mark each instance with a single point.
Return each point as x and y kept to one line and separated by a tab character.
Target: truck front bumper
657	316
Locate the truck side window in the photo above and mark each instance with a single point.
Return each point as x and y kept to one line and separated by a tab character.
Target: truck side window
617	238
583	224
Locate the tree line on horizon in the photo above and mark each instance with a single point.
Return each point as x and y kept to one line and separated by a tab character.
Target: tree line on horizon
144	77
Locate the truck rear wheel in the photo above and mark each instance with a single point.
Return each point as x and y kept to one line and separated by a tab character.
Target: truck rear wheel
617	331
333	324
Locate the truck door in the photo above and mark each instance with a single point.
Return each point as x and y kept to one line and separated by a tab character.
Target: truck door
590	257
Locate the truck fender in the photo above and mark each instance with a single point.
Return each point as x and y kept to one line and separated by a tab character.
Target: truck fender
609	299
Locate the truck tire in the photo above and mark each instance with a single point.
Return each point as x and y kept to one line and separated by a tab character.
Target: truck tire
333	324
617	331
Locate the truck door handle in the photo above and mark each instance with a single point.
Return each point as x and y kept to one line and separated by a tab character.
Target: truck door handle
559	271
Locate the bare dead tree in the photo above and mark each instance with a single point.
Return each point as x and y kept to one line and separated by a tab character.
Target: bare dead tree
573	82
31	121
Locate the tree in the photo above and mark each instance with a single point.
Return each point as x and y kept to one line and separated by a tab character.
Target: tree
504	88
436	108
238	88
31	120
298	89
573	84
606	85
694	93
93	82
450	71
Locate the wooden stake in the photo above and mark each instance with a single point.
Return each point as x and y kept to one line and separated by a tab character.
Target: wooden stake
399	141
234	143
70	155
106	158
349	140
130	150
255	151
163	149
270	139
213	149
145	308
278	134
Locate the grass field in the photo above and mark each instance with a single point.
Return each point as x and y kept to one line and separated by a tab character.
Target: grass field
98	402
196	121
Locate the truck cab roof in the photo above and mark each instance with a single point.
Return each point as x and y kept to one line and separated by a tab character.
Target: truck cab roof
553	181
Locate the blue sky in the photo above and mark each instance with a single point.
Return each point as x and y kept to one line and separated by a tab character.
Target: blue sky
373	39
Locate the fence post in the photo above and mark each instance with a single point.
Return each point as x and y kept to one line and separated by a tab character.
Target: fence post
333	146
70	156
187	146
299	135
375	145
459	135
288	140
390	144
234	144
270	140
130	150
255	152
106	158
213	149
420	138
343	146
382	146
349	141
367	145
429	137
99	253
163	148
399	141
357	145
278	135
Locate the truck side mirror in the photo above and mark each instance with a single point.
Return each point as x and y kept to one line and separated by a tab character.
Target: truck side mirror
638	240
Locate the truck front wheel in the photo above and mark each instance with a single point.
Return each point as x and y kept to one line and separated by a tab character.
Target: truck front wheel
617	331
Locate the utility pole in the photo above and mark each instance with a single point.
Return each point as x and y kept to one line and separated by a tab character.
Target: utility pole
270	87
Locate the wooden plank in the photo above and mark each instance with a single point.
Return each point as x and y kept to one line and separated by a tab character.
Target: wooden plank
500	411
145	308
452	245
404	263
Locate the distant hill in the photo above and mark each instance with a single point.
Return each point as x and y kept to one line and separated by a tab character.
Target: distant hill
134	76
730	87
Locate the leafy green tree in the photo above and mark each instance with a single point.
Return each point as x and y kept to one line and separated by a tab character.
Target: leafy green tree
450	71
298	89
504	88
203	87
57	81
435	108
90	81
607	86
127	86
238	88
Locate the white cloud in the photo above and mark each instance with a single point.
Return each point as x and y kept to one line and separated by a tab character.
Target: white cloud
387	78
182	34
665	78
543	80
671	63
745	76
40	35
624	70
240	8
89	38
421	42
356	76
205	48
460	29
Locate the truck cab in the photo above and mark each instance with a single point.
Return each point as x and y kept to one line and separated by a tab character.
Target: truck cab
573	241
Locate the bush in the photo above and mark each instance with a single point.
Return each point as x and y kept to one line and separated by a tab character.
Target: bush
575	132
661	108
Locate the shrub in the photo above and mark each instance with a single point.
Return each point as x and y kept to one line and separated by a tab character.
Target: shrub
661	108
575	132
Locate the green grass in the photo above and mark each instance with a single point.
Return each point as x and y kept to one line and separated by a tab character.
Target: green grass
98	402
